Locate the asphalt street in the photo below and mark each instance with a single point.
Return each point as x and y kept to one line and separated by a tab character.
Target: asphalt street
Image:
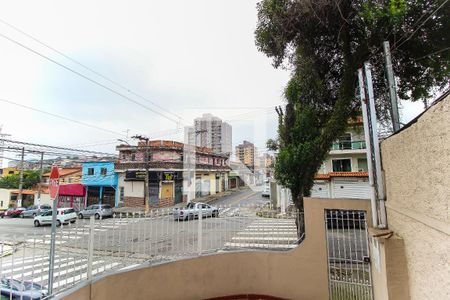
18	229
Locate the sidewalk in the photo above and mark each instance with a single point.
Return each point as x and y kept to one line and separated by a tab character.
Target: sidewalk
205	199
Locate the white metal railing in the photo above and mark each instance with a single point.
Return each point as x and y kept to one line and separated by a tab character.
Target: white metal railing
89	248
349	275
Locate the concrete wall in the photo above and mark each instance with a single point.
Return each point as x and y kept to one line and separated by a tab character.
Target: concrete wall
416	163
5	195
298	274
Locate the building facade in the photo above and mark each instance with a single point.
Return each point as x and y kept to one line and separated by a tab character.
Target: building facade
168	183
344	174
245	153
211	132
100	181
9	171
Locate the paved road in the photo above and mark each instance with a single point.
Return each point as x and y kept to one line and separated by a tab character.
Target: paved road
16	228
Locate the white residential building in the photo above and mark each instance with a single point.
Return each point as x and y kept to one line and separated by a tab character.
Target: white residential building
211	132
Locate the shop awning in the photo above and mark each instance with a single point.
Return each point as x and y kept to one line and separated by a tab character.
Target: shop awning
75	189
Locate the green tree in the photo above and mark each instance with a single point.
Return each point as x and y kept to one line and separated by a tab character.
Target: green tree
30	180
324	42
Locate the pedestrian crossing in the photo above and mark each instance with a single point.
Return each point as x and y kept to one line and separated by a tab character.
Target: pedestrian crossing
72	233
67	271
266	233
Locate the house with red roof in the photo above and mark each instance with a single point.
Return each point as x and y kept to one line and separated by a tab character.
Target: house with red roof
344	172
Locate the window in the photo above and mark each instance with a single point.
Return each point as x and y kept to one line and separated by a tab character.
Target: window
342	165
10	172
103	171
345	141
362	165
90	171
133	157
1	203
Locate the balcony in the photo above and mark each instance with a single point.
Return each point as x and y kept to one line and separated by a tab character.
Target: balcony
343	147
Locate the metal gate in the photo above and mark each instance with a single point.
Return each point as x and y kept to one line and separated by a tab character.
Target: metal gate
349	275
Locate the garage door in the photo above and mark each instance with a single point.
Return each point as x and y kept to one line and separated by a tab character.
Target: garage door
351	188
320	190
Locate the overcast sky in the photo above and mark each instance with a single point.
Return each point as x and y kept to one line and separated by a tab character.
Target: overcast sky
189	57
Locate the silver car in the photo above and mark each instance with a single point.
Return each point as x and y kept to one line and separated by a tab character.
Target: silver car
192	211
16	289
100	211
35	210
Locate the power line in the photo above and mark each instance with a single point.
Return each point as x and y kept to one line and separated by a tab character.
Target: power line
53	147
87	78
433	53
411	35
61	117
86	67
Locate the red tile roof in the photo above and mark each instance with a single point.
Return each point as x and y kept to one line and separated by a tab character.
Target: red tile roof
340	174
349	174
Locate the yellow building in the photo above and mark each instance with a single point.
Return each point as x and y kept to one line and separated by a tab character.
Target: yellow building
8	171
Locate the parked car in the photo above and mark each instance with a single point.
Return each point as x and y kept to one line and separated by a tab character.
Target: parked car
192	211
6	212
100	211
266	190
64	216
17	289
14	212
35	210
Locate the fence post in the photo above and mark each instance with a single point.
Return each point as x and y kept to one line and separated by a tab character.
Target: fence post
90	248
199	232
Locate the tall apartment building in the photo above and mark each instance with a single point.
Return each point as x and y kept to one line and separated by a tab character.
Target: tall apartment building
211	132
245	153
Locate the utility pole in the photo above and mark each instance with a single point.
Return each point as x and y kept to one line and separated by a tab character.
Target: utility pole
19	198
375	147
147	181
41	169
191	152
392	89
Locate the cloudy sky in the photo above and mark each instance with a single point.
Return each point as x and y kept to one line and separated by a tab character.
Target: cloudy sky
179	59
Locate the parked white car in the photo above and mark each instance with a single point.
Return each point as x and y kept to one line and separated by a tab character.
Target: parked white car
192	211
64	216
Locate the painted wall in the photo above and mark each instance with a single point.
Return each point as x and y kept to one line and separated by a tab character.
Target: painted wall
416	163
110	179
298	274
131	188
6	171
5	195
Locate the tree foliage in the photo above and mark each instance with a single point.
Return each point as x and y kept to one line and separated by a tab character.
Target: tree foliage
323	43
30	180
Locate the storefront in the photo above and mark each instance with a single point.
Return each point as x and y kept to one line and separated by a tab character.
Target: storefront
72	195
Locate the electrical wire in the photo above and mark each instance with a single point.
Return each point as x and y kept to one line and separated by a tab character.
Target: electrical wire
87	78
22	144
87	67
423	23
61	117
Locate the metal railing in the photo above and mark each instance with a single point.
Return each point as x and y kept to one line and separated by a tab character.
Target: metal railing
349	275
349	145
89	248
